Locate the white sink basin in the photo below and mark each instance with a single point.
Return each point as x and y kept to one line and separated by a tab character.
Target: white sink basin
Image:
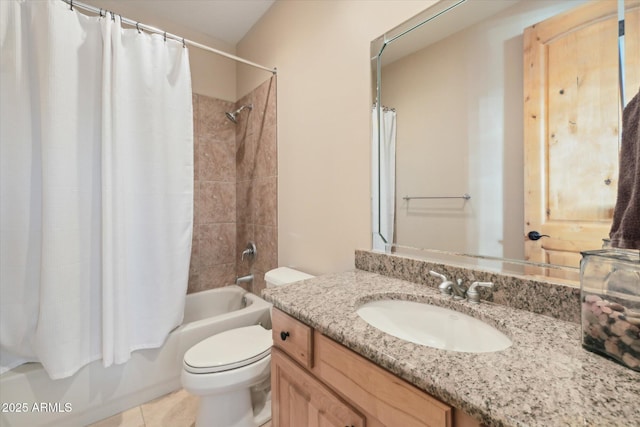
433	326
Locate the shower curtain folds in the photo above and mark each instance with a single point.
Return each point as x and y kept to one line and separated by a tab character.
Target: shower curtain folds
96	145
142	27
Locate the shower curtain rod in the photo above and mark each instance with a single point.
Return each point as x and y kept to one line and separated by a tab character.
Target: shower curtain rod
102	12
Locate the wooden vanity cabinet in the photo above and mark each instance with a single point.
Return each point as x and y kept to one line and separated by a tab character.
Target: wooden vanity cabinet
299	399
318	382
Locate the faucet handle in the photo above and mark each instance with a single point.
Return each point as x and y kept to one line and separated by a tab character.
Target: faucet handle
446	287
438	275
250	251
472	294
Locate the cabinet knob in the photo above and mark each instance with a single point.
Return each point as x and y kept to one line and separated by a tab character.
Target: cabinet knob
284	335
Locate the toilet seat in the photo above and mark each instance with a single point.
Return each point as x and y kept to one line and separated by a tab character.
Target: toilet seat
228	350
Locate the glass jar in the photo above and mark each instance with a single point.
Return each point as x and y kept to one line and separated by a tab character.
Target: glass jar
610	295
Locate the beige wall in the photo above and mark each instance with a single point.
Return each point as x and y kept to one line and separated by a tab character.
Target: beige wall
321	50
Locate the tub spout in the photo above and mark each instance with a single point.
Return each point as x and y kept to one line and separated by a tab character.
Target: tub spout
244	279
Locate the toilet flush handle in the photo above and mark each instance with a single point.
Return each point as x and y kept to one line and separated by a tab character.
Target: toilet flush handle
284	335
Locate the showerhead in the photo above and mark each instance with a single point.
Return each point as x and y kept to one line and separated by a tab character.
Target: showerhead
234	116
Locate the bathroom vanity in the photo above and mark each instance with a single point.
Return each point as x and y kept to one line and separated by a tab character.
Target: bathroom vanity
318	382
330	367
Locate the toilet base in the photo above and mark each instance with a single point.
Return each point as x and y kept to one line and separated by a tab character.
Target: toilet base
261	401
232	409
260	414
239	397
263	415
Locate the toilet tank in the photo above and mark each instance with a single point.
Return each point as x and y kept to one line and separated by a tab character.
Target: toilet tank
283	275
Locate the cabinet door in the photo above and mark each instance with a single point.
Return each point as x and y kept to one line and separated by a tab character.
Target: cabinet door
298	399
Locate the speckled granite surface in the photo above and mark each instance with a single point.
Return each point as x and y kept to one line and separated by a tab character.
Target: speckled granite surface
544	379
549	299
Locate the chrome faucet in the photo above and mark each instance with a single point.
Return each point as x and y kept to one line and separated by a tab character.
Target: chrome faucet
446	286
458	290
250	251
244	279
472	294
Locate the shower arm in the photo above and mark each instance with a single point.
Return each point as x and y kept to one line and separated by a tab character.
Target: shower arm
233	115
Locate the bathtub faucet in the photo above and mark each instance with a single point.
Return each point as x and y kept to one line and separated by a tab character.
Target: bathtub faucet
244	279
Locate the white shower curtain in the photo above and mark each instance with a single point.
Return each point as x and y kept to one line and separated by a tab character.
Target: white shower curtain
383	178
96	149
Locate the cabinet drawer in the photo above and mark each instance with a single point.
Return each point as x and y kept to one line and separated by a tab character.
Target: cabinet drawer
380	395
293	337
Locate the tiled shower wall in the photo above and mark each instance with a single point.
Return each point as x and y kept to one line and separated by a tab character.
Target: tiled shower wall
235	183
257	183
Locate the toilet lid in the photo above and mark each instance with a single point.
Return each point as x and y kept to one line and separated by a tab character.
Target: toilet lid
229	350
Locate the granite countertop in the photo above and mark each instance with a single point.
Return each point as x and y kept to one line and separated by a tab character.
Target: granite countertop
544	379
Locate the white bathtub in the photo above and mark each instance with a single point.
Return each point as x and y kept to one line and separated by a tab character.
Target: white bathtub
96	392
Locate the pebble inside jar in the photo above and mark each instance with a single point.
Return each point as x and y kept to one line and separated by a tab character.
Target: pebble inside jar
610	282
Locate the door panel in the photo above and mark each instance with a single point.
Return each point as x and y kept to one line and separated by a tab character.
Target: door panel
571	128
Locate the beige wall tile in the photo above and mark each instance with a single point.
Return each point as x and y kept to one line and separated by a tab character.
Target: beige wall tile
194	103
266	238
217	244
215	276
197	203
245	234
245	157
214	238
258	283
244	197
218	202
193	285
212	119
216	159
246	118
229	201
265	201
256	188
196	261
266	152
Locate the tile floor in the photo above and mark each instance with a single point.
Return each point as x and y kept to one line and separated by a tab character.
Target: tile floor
177	409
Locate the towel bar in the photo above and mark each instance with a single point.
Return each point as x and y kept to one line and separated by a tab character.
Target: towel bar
464	196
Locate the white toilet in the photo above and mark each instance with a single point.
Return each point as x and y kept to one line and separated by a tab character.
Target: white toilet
230	371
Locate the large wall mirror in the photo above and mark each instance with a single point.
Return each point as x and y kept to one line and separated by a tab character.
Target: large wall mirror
496	128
